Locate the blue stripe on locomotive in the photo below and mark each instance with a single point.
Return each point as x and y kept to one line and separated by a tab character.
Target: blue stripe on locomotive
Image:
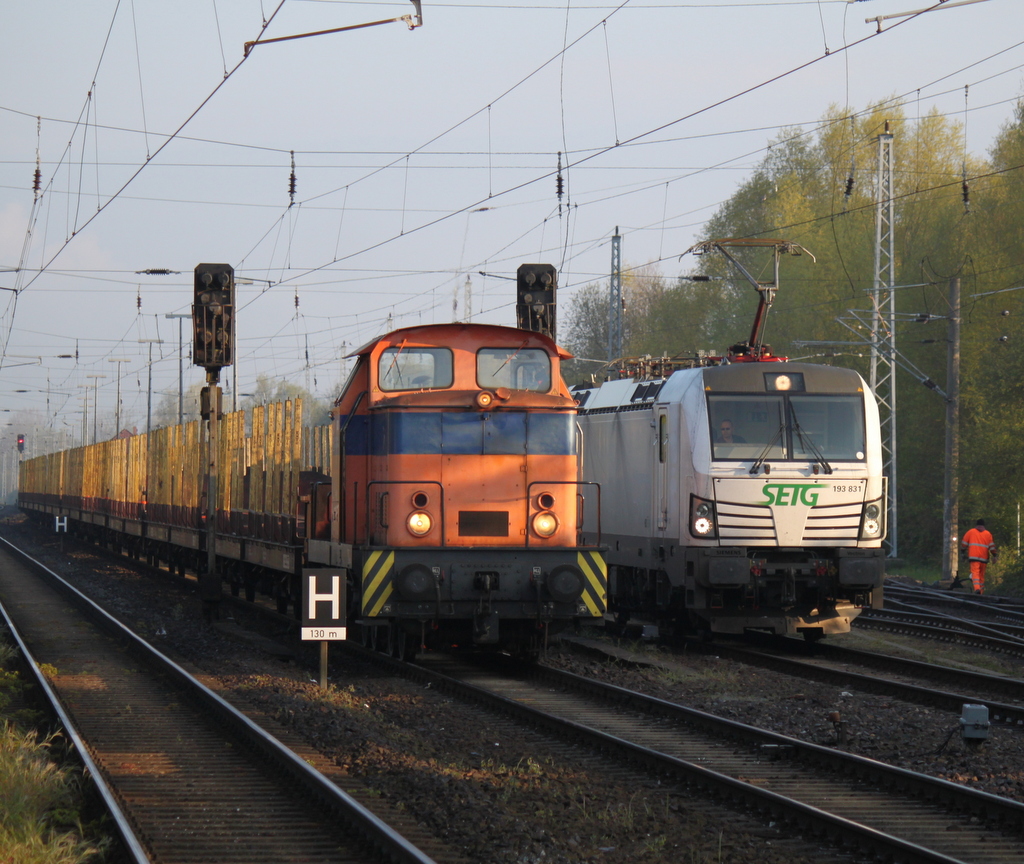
470	434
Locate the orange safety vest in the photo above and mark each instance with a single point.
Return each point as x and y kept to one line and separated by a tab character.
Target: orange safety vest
979	544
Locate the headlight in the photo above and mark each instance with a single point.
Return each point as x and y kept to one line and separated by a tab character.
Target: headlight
545	524
702	526
872	526
703	518
419	523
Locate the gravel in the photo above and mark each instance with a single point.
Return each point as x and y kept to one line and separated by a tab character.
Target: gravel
496	792
910	736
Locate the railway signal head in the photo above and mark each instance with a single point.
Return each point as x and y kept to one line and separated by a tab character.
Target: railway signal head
213	316
21	443
535	298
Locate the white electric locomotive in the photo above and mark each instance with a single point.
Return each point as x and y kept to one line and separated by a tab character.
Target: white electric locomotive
775	525
742	494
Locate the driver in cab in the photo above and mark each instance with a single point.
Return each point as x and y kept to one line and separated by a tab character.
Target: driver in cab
726	436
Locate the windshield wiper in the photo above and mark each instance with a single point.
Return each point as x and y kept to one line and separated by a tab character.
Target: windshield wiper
509	359
394	362
808	443
760	460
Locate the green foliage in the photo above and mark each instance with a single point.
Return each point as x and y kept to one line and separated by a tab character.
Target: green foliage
38	801
315	412
817	189
11	687
653	309
40	821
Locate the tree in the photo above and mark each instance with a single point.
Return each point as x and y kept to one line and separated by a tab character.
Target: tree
315	412
818	189
166	411
653	306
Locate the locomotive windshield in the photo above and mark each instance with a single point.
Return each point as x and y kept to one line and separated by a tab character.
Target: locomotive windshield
414	368
796	427
515	368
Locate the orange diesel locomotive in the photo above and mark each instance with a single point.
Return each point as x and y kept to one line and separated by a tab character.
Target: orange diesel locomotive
454	487
453	502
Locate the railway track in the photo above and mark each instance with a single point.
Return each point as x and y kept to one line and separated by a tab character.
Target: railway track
750	779
993	606
188	777
943	628
989	616
599	797
831	664
858	802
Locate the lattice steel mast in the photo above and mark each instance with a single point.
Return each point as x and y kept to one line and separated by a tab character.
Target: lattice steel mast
615	300
883	325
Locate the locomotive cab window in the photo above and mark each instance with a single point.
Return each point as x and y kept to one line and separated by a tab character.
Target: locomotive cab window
744	427
415	369
515	368
794	426
834	425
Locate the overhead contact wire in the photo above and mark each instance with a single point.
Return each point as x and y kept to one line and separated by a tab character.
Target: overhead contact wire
149	159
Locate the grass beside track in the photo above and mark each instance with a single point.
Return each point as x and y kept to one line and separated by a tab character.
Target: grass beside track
42	800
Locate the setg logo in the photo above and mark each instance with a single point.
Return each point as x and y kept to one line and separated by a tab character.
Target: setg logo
791	494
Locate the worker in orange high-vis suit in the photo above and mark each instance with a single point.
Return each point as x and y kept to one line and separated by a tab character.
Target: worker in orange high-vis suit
979	548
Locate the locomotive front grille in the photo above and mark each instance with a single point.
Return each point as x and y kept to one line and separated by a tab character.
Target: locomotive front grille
839	523
483	523
752	523
744	522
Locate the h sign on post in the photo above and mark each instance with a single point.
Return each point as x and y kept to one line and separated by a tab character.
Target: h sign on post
324	604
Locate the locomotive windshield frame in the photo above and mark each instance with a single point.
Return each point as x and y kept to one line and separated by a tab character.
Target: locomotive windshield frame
515	368
404	368
788	426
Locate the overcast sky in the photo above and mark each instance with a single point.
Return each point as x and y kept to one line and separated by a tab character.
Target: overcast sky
422	158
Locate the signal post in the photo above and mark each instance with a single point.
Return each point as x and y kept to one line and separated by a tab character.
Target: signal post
213	327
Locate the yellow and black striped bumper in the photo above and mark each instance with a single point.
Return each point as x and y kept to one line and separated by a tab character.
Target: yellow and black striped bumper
378	581
379	572
595	581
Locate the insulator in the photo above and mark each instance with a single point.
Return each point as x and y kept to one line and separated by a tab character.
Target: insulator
291	181
849	186
37	183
